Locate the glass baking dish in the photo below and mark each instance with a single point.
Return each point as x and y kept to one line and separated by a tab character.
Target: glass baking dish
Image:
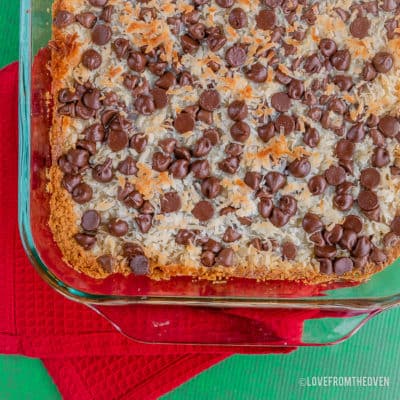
330	312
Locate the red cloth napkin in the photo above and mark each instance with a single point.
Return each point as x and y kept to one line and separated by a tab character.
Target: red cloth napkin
86	357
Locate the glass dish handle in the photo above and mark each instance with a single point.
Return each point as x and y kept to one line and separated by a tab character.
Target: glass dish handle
256	327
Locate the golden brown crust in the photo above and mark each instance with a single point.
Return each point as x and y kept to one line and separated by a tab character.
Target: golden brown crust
64	220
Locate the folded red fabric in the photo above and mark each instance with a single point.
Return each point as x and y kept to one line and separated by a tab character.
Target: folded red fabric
86	357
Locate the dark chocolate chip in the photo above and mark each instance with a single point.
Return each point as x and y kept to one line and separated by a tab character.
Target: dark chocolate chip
299	168
353	223
253	179
82	193
312	223
317	185
280	101
383	62
90	220
118	227
265	207
201	169
101	34
203	211
170	202
91	59
184	122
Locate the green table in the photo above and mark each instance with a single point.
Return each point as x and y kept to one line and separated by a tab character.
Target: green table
374	351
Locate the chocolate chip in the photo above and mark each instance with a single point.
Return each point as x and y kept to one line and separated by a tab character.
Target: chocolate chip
86	19
209	100
168	145
312	64
288	205
317	185
214	66
144	104
383	62
362	247
161	162
117	140
202	147
359	27
289	251
225	3
296	89
98	3
106	13
326	251
138	142
341	60
353	223
266	20
84	112
216	41
197	31
139	264
380	157
189	45
240	131
157	68
389	126
344	149
229	165
184	122
278	218
191	17
246	221
231	235
281	102
390	239
63	18
103	172
118	227
203	211
237	110
378	256
131	249
69	182
391	25
342	265
160	98
90	220
345	188
311	137
257	73
370	178
225	257
170	202
333	236
328	47
237	18
299	168
179	169
84	240
284	124
185	237
343	82
395	225
325	266
312	223
265	207
356	133
144	222
121	47
181	152
369	72
78	157
343	201
275	181
282	78
235	56
212	245
106	261
207	258
266	132
127	166
101	34
211	187
82	193
348	239
91	59
213	135
130	196
367	200
253	179
166	81
201	169
335	175
234	149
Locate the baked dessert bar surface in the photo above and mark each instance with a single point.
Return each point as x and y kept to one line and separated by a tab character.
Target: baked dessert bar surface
219	138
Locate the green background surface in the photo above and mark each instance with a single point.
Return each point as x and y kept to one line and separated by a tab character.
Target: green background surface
374	351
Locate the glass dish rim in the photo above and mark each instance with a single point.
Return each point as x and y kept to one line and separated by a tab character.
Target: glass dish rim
24	158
